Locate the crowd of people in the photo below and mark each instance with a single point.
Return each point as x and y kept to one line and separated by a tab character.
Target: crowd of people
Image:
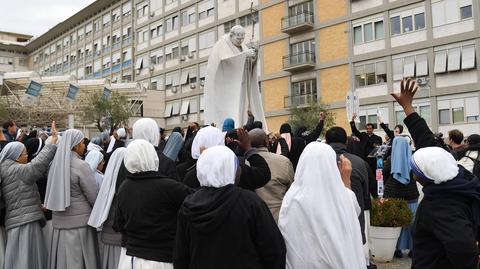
235	197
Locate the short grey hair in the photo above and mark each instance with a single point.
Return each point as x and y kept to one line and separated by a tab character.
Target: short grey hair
237	28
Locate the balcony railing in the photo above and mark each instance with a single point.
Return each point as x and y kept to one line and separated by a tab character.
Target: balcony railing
127	41
299	100
298	22
299	61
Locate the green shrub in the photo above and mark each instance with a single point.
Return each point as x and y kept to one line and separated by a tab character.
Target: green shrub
391	213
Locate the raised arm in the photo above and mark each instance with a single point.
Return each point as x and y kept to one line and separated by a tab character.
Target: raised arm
251	119
258	173
37	168
417	126
355	131
313	136
385	128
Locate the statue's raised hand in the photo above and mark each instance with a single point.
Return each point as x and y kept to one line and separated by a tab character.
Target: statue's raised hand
251	53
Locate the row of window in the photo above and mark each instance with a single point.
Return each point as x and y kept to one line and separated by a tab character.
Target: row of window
171	24
206	8
185	48
184	107
450	111
70	60
458	58
185	17
105	44
6	60
157	29
407	22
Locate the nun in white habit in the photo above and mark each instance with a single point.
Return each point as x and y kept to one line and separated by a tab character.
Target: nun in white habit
147	129
95	161
319	215
103	213
71	193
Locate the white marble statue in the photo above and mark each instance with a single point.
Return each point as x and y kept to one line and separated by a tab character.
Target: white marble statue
231	85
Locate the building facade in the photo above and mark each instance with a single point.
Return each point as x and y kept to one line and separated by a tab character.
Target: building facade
162	44
310	50
13	54
368	46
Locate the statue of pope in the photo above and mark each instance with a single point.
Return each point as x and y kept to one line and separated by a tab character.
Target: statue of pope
231	85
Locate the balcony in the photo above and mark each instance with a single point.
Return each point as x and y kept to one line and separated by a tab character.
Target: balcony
299	61
126	63
116	45
116	67
299	100
297	23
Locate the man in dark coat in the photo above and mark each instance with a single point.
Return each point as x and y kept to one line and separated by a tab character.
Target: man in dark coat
368	140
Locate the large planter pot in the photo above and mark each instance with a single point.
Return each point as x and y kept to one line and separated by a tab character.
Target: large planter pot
384	240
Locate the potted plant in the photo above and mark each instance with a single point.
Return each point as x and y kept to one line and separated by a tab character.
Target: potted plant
387	218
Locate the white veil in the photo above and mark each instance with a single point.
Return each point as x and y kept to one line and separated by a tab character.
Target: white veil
318	218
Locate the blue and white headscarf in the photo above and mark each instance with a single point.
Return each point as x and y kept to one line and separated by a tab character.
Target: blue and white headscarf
434	165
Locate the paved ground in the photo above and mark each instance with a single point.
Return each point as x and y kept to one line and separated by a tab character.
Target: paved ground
403	263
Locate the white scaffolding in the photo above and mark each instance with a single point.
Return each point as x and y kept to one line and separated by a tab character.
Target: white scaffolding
52	102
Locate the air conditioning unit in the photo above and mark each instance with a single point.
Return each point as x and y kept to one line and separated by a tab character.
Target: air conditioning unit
184	117
152	14
137	71
190	55
202	83
192	86
98	52
422	81
151	68
175	89
182	58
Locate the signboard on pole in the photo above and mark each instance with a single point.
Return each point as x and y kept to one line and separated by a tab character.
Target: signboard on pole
72	92
352	104
106	92
34	89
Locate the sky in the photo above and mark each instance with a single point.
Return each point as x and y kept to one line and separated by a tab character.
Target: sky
35	17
